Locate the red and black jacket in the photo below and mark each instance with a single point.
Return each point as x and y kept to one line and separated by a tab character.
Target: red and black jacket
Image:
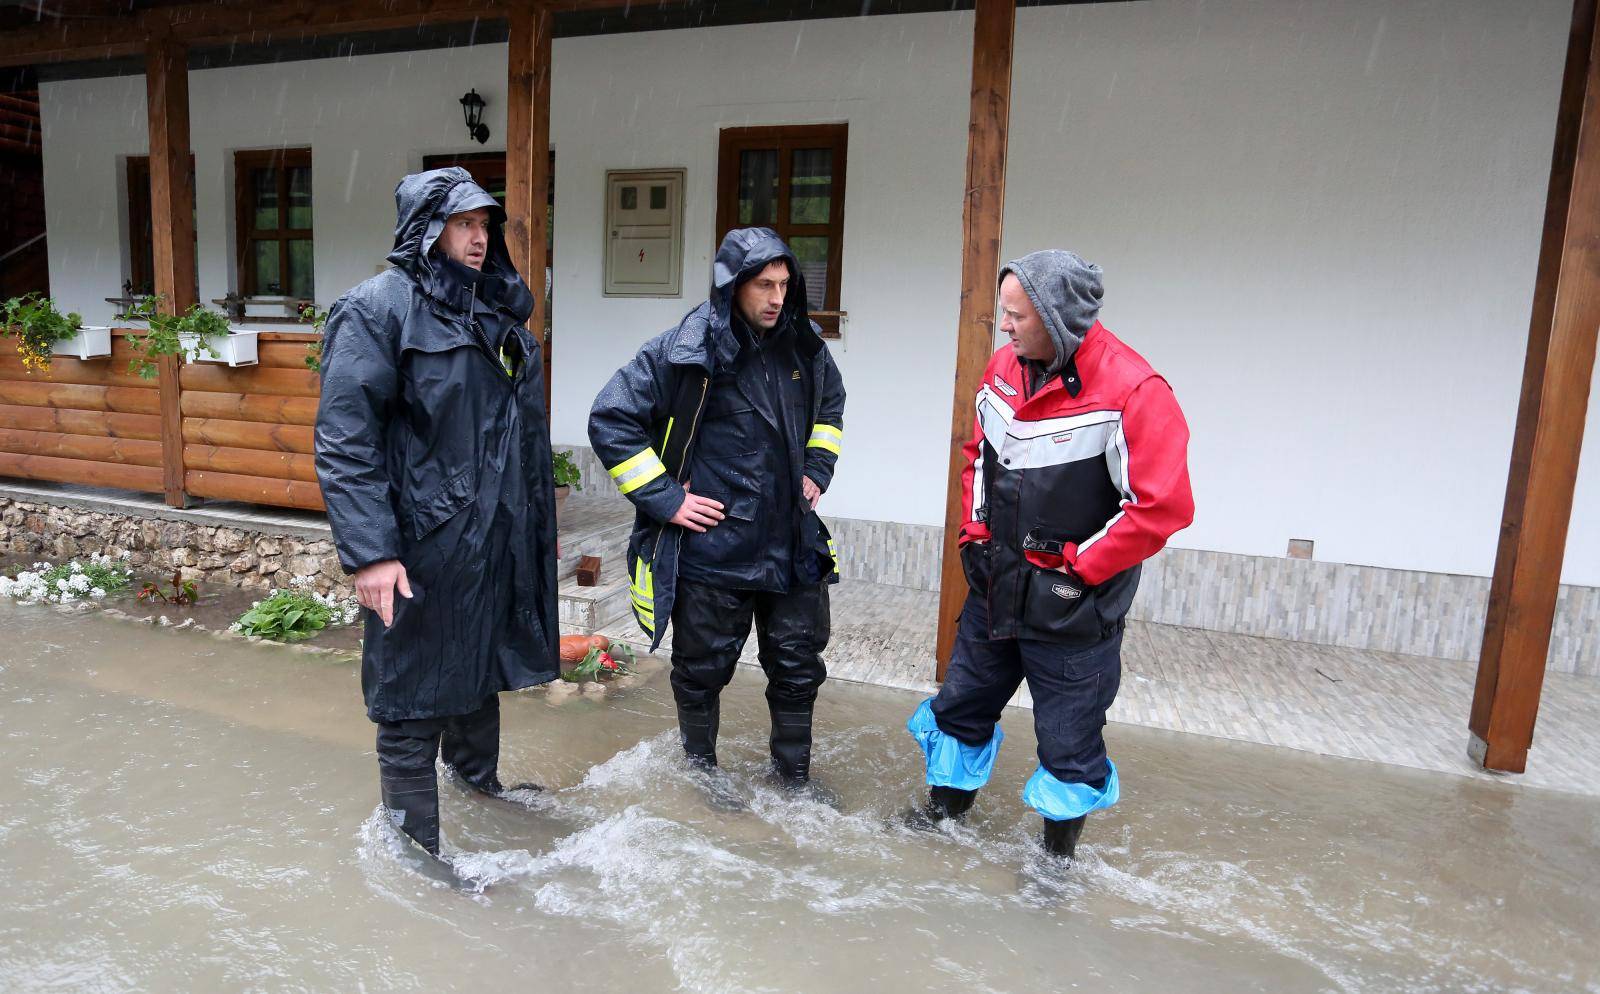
1095	463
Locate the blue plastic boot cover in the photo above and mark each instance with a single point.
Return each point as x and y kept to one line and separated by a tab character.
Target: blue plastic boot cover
951	762
1059	801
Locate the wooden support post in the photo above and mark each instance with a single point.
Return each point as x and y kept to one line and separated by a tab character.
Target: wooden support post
172	229
1550	419
980	263
528	157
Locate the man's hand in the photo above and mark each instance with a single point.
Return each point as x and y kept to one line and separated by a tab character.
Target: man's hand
810	491
697	513
1073	579
375	587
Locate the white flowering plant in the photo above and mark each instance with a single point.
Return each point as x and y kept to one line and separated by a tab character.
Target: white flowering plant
76	580
296	614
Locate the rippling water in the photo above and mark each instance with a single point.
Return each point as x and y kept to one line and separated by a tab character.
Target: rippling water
182	813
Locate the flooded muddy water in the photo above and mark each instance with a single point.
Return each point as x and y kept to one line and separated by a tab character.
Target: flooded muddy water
188	813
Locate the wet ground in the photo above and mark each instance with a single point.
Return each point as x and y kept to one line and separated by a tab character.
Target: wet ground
186	813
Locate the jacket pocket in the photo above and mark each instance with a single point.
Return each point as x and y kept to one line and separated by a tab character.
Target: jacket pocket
1053	609
975	565
443	504
735	539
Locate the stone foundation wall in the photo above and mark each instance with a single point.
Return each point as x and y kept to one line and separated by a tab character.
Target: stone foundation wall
207	554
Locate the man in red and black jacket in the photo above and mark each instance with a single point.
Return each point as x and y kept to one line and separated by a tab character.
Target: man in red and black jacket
1077	472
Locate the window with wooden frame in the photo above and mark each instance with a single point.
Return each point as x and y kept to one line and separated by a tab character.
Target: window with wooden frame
273	192
141	237
790	179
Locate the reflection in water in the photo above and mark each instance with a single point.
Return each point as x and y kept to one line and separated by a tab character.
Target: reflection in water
184	813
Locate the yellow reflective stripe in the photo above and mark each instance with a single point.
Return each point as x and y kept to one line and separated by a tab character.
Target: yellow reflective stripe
641	592
833	552
826	437
637	470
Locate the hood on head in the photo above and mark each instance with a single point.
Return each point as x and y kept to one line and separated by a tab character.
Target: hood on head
744	253
423	202
1066	290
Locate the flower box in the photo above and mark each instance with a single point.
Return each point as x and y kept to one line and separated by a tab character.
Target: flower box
234	349
88	343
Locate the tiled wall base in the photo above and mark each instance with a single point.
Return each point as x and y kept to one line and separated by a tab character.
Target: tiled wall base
1409	611
1366	607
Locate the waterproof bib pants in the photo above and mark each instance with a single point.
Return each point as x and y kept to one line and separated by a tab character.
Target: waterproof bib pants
710	627
1072	688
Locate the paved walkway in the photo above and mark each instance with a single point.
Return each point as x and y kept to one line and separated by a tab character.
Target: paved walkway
1384	707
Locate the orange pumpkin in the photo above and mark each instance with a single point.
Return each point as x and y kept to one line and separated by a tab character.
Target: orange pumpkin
575	647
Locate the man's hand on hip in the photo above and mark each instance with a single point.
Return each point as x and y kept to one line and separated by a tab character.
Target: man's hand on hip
810	491
697	513
376	584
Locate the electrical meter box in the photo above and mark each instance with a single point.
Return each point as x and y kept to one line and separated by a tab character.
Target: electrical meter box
644	232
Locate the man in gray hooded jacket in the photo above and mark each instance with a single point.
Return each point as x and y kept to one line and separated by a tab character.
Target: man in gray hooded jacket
1077	471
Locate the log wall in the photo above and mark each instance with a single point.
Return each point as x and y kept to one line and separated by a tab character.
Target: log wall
246	432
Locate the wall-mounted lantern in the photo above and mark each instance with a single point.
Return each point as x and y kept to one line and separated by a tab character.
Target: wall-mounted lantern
472	109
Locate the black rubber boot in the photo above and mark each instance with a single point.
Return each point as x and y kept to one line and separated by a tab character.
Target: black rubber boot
470	748
791	754
949	802
1061	837
413	805
791	742
489	786
942	803
697	730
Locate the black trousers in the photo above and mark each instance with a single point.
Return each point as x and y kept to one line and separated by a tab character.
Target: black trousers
1072	688
710	626
470	744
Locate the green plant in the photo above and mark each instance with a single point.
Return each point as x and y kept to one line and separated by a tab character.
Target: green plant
617	661
296	614
166	333
33	319
319	320
566	470
184	592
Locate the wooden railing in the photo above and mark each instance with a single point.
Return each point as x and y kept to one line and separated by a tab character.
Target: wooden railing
246	432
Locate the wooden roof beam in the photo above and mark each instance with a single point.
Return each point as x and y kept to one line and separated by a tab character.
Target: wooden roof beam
197	25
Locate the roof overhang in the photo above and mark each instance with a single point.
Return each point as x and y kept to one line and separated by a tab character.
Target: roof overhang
70	39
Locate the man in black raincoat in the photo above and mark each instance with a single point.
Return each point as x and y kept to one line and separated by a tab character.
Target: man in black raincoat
434	456
724	432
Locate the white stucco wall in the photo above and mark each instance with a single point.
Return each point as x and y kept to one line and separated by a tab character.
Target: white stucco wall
1320	221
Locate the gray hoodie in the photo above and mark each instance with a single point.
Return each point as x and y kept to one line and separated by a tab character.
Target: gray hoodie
1066	290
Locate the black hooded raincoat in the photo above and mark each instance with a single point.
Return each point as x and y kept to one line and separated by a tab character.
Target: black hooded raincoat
431	453
731	460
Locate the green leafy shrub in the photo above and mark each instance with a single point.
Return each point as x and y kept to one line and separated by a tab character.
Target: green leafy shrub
37	326
566	470
166	331
319	320
296	614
